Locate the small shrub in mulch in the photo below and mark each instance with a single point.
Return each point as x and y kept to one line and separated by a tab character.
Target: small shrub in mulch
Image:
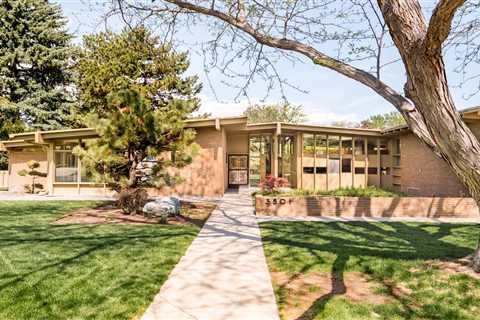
191	213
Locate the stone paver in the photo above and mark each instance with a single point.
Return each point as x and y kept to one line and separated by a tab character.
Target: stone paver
223	274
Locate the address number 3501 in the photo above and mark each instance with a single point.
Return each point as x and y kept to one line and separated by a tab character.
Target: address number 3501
275	201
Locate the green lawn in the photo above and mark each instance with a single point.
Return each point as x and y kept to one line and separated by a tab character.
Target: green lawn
81	271
393	255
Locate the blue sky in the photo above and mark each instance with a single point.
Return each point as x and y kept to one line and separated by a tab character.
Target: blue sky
330	96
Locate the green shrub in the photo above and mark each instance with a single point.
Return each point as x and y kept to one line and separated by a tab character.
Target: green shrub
132	200
370	191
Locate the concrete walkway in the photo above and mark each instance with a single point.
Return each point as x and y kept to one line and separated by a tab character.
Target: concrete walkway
223	274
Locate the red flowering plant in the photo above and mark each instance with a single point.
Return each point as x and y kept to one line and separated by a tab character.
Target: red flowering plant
271	184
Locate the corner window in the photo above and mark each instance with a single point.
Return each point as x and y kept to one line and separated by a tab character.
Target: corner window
66	164
67	167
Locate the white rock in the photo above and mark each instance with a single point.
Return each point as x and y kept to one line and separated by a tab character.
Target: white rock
165	206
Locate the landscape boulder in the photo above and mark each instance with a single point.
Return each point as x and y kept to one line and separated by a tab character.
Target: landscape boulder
162	207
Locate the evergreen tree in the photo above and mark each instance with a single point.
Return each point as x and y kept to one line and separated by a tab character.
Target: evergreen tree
34	53
132	59
9	123
133	131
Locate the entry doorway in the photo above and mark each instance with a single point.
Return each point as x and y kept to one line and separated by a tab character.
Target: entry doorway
259	158
237	170
286	159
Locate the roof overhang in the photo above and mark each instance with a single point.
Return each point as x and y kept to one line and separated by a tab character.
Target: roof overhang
215	122
41	136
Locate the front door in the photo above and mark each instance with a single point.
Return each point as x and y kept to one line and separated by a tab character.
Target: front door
237	170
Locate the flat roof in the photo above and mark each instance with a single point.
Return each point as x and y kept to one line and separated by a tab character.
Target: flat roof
37	137
465	113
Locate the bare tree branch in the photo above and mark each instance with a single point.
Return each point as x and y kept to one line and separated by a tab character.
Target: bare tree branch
440	25
316	56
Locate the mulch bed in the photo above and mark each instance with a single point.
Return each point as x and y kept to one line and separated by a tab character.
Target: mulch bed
191	213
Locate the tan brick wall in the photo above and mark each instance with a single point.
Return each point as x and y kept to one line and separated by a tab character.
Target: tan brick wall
432	207
205	175
424	174
18	161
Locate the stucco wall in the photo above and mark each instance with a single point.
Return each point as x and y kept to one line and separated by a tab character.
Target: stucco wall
18	161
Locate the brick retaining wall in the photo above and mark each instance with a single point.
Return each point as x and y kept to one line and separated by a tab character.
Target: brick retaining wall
433	207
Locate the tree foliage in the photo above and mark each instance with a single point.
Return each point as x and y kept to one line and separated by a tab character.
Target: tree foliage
382	121
132	132
136	60
32	171
418	33
282	112
9	123
34	54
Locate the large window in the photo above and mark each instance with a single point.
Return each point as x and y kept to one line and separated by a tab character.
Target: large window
67	167
333	146
320	145
359	147
384	146
346	145
308	145
285	157
372	146
260	149
66	163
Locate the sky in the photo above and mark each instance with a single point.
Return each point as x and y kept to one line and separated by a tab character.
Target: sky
328	97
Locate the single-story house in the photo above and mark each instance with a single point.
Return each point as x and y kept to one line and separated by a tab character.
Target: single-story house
235	153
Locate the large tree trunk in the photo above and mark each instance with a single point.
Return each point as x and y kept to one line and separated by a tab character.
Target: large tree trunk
427	87
432	116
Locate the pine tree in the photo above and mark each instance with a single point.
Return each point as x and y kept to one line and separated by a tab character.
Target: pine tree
9	123
34	54
132	131
132	59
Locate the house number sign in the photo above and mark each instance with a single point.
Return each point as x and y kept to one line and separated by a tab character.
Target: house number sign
275	201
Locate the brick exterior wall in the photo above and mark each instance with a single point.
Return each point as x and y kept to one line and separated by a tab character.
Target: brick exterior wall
424	174
431	207
205	175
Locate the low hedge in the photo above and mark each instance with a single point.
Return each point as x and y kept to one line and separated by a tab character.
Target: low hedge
368	192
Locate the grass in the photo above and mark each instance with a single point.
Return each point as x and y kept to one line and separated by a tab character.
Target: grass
81	271
393	255
369	191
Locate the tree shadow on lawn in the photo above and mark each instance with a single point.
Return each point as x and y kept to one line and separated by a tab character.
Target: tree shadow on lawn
358	244
134	260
